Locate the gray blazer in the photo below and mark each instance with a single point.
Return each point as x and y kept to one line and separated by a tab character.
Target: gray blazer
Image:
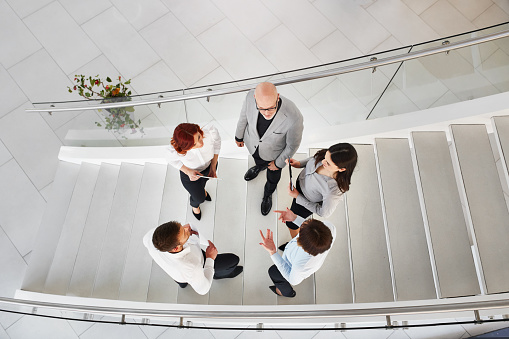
282	138
320	194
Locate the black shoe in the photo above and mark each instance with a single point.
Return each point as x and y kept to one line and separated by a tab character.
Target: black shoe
266	205
197	216
238	270
252	173
207	197
273	289
282	247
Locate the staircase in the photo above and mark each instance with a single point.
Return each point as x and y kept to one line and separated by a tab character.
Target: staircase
425	218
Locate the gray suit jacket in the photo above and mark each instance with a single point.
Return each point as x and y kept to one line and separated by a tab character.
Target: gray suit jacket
282	138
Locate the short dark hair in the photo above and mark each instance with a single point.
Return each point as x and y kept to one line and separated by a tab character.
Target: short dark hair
314	237
165	237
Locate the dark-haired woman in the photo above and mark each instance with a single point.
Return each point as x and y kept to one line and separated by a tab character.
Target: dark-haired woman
322	182
194	151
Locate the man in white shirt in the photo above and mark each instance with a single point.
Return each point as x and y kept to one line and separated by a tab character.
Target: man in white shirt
176	249
302	256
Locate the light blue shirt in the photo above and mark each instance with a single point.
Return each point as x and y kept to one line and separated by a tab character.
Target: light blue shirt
296	264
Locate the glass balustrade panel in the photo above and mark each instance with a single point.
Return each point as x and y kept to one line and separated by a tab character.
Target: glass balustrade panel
446	78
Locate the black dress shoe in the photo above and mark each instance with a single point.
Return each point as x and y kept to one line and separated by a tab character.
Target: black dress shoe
207	197
252	173
266	205
197	216
282	247
273	289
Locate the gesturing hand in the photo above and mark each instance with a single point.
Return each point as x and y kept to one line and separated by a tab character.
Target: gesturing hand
287	215
211	251
268	242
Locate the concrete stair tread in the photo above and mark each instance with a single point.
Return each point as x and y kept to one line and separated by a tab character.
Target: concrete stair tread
367	232
62	265
229	227
486	202
413	274
89	252
162	288
451	246
205	227
51	227
116	240
138	263
257	260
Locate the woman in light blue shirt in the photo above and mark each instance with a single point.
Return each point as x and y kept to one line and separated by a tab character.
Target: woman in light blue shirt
322	182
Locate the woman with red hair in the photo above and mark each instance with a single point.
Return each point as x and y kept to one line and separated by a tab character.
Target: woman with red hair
194	151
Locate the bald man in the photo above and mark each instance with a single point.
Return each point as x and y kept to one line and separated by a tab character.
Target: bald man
270	126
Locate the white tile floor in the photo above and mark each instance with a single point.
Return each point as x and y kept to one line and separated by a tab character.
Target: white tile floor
171	44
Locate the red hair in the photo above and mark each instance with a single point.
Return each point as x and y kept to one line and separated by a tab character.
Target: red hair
183	137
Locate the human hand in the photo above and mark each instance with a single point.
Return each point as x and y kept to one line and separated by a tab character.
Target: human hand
239	143
268	242
211	251
212	172
287	215
193	175
293	163
293	193
272	166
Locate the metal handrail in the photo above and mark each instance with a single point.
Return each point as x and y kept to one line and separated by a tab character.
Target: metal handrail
274	312
293	79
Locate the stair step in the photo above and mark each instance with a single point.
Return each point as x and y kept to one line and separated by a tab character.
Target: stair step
333	280
162	288
306	289
206	229
229	229
451	246
51	227
367	232
61	269
486	202
89	252
257	260
138	265
501	135
409	249
116	239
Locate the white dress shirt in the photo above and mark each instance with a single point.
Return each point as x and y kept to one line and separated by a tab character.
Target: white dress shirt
296	264
185	266
199	158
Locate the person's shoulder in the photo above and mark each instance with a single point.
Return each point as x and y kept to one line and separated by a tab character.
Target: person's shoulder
333	186
331	226
290	107
147	239
293	115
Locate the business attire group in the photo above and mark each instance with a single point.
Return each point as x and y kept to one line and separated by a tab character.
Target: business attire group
270	126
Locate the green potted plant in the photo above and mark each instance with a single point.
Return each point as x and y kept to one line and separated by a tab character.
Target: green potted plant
117	119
